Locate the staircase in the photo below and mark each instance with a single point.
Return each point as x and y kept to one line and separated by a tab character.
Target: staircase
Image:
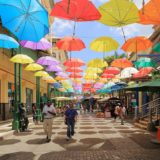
149	115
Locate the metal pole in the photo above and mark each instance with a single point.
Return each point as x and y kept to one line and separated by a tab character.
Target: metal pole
38	111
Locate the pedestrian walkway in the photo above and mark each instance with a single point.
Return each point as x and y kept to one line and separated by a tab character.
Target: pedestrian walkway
95	139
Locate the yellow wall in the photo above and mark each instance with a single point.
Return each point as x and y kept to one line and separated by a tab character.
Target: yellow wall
7	75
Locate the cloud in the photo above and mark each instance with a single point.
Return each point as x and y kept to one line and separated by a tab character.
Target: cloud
60	26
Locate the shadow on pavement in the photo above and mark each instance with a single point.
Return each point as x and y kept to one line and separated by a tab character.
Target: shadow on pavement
9	142
37	141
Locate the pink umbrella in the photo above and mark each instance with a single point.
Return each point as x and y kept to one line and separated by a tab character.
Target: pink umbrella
54	68
47	60
98	85
61	74
43	44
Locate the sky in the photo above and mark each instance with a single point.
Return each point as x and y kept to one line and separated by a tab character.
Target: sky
88	31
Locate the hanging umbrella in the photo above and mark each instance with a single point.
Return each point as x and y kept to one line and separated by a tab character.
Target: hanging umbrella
41	74
108	85
61	74
58	78
21	59
78	10
28	20
145	62
104	44
47	60
92	76
33	67
74	62
74	75
121	63
74	69
93	70
156	48
108	76
70	44
143	72
8	42
51	81
128	72
137	44
119	13
112	70
47	78
43	44
54	68
149	14
98	85
97	63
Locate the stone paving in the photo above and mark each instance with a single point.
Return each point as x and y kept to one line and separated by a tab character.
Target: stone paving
95	139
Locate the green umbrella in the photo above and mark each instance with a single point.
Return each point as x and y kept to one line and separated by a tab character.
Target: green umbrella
145	62
156	48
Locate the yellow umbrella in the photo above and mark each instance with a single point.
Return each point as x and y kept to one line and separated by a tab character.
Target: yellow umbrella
118	13
97	63
104	44
21	59
51	80
41	74
33	67
47	78
58	78
93	70
90	76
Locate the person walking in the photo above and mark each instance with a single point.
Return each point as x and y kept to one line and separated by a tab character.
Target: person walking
70	119
49	112
34	108
122	112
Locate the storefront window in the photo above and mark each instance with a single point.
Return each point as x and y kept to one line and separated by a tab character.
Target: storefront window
11	90
29	98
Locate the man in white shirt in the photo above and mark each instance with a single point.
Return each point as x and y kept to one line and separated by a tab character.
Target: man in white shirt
49	112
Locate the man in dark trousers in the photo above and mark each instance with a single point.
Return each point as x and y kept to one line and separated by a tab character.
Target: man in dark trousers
70	119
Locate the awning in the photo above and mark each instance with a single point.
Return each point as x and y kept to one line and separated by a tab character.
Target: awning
152	86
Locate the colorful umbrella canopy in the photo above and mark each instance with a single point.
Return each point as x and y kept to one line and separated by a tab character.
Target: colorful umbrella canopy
98	85
61	74
33	67
156	48
43	44
104	44
93	70
8	42
145	62
41	74
74	69
23	17
97	63
137	44
78	10
54	68
128	72
47	60
143	72
121	63
118	13
108	76
91	76
112	70
21	59
70	44
74	75
74	62
149	14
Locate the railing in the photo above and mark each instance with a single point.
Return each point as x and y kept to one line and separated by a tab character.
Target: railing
150	110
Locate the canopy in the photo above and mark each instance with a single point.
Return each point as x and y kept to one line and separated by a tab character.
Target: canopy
33	67
74	62
97	63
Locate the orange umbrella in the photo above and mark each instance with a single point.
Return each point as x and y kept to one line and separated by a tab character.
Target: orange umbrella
137	44
112	70
121	63
150	13
74	62
108	76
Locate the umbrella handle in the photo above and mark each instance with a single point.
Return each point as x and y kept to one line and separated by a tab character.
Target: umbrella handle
123	33
68	8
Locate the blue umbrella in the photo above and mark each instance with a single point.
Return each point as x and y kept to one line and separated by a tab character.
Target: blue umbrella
27	19
8	42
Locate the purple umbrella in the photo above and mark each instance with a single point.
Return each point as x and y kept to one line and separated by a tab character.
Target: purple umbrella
98	85
61	74
47	60
43	44
54	68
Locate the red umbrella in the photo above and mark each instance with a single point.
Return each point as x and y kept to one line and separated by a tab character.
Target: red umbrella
74	75
74	69
74	62
87	85
70	44
112	70
76	10
143	72
108	76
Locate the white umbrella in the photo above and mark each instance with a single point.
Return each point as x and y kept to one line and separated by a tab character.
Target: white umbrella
128	72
